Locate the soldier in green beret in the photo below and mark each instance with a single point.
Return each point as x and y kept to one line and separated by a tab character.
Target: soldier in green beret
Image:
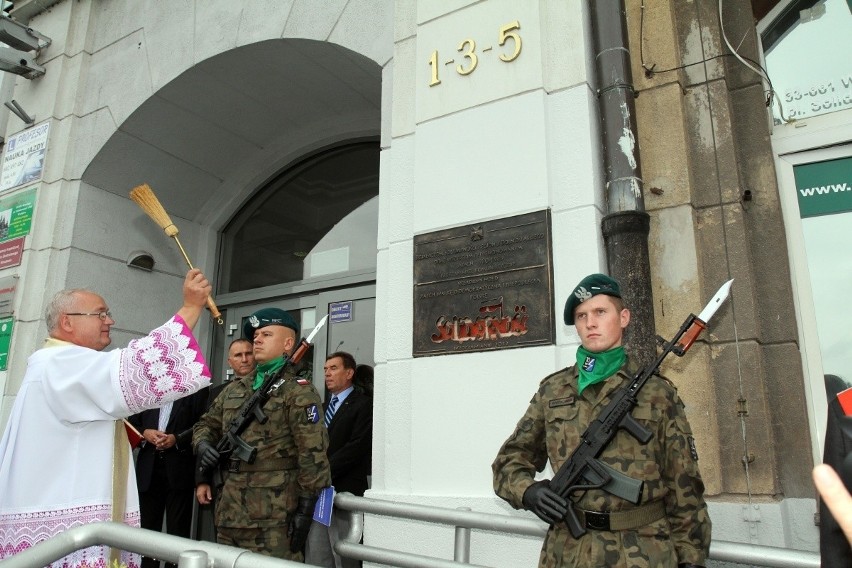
267	506
670	527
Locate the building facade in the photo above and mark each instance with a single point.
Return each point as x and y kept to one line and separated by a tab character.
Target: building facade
303	148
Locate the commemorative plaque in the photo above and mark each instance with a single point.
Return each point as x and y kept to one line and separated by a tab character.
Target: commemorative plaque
484	286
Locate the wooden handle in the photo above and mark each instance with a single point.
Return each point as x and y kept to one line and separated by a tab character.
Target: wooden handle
689	337
214	310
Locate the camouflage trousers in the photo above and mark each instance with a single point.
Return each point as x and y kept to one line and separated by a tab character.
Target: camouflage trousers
646	547
270	541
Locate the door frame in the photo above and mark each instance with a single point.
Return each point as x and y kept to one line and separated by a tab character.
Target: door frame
303	295
815	139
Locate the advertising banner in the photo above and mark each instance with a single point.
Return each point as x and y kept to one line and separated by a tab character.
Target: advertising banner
23	157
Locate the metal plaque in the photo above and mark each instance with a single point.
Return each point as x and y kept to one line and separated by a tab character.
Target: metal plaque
484	286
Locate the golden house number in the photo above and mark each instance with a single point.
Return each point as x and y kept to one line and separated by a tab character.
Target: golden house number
470	59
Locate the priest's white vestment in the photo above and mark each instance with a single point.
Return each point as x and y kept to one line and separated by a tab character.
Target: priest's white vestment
56	454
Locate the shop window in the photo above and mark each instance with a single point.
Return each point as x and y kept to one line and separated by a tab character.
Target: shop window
824	193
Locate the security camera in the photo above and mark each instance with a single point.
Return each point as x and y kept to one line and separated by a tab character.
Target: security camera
19	63
19	36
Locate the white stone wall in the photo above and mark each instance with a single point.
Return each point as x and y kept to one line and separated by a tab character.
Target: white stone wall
508	138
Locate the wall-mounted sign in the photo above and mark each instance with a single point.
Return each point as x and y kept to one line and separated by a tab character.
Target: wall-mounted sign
340	311
5	341
825	187
8	287
484	286
11	252
16	214
23	158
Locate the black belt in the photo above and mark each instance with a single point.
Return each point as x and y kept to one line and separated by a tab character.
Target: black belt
622	520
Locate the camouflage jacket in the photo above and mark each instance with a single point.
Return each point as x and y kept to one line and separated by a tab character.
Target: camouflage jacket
294	438
550	430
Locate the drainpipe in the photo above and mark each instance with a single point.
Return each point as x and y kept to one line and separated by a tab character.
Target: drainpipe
626	225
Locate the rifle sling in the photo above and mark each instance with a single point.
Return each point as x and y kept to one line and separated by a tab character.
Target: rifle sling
622	520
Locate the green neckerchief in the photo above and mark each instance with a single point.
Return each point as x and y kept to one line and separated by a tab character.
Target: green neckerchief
597	367
264	369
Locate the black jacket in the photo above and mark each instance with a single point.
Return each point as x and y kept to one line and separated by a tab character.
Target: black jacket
350	443
179	460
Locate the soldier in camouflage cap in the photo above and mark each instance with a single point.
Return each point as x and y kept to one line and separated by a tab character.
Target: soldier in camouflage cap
670	527
267	506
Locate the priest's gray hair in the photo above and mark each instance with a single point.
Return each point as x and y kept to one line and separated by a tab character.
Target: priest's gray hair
62	302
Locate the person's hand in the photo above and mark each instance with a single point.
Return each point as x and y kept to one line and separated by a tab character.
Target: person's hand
153	437
196	289
208	457
545	503
166	441
203	493
300	525
836	497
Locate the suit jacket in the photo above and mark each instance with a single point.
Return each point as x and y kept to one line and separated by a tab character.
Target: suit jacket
178	460
350	443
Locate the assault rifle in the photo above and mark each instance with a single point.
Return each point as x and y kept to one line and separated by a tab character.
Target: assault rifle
582	470
231	444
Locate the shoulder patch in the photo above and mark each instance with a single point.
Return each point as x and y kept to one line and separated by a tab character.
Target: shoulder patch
303	382
312	414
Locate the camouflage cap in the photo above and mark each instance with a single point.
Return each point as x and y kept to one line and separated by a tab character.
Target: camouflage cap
590	286
269	316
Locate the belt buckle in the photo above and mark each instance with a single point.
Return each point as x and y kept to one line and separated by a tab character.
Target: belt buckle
234	466
597	521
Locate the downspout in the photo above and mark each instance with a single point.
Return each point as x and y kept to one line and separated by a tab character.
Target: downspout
626	225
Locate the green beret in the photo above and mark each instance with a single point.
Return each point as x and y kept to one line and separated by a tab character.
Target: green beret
268	316
590	286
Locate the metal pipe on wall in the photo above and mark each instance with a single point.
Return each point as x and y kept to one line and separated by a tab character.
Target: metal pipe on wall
626	225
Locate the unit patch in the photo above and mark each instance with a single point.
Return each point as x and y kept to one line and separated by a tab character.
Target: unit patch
557	402
303	382
312	413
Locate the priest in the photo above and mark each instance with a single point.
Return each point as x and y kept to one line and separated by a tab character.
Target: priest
65	458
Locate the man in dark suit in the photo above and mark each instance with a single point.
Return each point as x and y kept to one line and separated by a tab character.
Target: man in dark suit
349	419
165	466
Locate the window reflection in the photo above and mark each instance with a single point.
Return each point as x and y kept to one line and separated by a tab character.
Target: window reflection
807	51
267	241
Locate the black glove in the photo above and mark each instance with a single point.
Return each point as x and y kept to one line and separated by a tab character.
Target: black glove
207	455
545	503
300	524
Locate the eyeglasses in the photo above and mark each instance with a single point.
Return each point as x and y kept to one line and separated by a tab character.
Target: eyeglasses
103	315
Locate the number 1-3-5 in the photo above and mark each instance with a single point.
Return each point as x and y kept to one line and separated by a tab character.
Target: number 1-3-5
468	50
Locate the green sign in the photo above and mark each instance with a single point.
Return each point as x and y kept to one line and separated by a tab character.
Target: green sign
16	214
824	188
5	340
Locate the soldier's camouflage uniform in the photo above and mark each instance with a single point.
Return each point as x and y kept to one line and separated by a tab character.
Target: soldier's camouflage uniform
293	441
551	428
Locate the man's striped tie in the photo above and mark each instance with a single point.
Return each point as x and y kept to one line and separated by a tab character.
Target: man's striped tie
329	412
